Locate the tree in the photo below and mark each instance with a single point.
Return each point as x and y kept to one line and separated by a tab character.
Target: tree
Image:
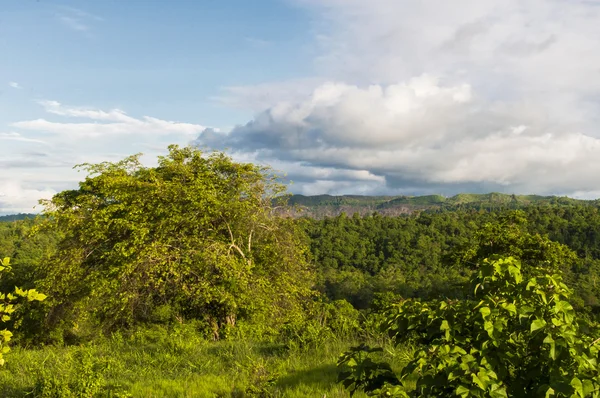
193	237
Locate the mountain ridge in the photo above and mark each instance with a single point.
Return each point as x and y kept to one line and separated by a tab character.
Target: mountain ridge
319	206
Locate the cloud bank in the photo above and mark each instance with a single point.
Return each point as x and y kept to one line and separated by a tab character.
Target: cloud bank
436	97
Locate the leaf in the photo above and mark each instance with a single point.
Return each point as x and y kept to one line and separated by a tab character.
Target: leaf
444	325
537	324
549	392
478	381
485	311
510	307
498	391
578	386
588	387
563	306
463	391
488	327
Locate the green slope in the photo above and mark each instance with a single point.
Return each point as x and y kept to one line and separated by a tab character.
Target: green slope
325	205
16	217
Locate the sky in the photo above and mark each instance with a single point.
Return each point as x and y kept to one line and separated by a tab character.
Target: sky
396	97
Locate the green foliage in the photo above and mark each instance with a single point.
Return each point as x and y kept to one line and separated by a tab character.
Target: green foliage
320	206
83	381
507	236
518	337
8	302
16	217
323	321
193	237
358	371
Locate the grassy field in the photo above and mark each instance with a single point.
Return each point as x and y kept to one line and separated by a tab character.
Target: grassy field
177	363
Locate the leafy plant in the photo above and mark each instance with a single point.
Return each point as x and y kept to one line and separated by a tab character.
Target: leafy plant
8	302
358	371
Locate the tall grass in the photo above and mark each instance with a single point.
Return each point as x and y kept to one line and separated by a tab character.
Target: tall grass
161	362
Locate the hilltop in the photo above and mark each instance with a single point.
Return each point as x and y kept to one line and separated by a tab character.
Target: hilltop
327	205
16	217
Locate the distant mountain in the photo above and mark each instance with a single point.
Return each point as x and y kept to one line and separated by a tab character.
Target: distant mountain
327	205
16	217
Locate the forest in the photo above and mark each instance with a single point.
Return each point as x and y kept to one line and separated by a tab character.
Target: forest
188	280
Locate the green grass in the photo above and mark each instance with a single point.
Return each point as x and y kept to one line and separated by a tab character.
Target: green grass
177	363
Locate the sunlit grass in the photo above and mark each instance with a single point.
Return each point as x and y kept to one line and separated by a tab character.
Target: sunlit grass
161	363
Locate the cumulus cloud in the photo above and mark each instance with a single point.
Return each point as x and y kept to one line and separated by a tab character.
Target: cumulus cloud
426	96
100	123
418	136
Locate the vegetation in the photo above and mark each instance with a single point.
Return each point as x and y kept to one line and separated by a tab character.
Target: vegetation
516	336
189	279
16	217
8	303
190	239
327	206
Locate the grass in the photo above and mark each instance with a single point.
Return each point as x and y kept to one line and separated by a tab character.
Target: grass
177	363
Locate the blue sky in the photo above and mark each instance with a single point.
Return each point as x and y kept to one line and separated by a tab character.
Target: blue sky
344	96
159	57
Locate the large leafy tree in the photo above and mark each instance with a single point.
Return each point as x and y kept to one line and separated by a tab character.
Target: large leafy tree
194	237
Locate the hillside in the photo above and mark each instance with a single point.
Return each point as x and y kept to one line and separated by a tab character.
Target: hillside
16	217
320	206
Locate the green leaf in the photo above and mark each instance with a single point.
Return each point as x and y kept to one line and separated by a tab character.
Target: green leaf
444	325
510	307
562	306
588	387
578	386
463	391
537	324
477	380
485	311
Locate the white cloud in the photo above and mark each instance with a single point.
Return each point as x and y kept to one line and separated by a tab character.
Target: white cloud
39	154
439	96
258	43
77	19
12	136
15	198
102	123
15	85
73	23
261	96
